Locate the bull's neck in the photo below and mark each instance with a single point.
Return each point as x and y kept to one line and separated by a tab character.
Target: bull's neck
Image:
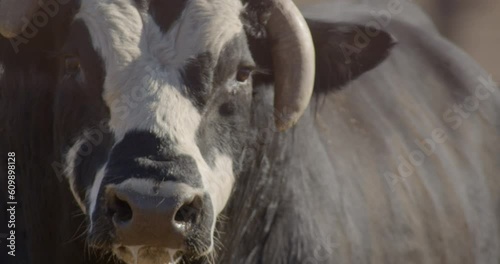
274	204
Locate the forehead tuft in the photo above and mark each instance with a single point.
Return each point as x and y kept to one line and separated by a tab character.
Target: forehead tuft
124	31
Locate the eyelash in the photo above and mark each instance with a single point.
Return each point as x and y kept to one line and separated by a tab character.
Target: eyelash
64	55
71	64
244	73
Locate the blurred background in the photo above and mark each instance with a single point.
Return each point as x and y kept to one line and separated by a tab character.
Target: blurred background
474	25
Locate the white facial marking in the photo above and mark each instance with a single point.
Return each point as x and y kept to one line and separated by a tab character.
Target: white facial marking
94	192
145	255
171	253
135	253
69	171
115	27
150	187
219	181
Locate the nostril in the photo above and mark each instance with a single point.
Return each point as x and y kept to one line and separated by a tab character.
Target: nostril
119	210
188	214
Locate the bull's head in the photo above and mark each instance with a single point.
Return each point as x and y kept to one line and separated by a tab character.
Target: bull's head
178	80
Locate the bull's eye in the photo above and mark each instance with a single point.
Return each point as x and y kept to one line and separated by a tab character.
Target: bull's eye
243	73
71	65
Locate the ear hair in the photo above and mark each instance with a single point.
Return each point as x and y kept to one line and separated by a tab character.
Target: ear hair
345	51
255	17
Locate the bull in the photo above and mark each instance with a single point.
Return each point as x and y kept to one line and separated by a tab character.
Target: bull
226	131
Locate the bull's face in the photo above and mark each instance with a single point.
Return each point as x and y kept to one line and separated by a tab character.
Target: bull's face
176	77
178	86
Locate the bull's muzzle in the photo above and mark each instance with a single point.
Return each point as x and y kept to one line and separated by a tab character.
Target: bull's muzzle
157	220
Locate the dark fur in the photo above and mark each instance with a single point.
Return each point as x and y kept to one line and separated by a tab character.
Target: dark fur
46	215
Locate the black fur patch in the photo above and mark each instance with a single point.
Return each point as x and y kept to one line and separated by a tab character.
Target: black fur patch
91	158
142	154
234	54
202	75
255	17
223	126
198	77
78	106
345	51
47	213
164	13
78	101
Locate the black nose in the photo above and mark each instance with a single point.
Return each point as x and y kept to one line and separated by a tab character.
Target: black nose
162	220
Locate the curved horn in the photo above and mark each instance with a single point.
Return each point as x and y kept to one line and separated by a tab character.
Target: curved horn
294	62
14	16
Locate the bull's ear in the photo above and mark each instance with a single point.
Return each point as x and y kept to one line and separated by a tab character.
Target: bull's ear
345	51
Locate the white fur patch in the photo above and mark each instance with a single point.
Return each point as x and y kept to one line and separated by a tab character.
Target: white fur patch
94	192
150	187
144	255
218	181
135	253
69	171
